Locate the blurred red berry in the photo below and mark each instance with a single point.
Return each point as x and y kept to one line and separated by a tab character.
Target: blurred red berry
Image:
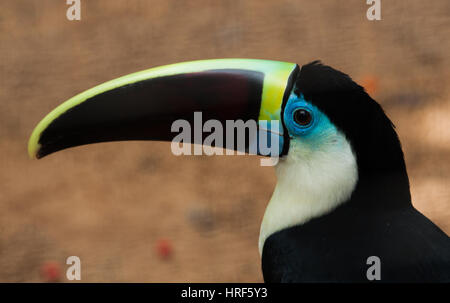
164	248
51	271
370	84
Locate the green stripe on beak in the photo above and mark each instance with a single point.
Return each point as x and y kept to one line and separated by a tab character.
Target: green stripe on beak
143	105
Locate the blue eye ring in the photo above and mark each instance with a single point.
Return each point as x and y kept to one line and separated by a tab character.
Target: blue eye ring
297	103
302	117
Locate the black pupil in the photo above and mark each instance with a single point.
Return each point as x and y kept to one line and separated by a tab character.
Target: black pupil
302	117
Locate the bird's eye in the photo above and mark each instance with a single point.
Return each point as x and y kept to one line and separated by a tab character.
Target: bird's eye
302	117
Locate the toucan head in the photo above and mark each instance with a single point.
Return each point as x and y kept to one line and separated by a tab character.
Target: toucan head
342	150
310	103
334	140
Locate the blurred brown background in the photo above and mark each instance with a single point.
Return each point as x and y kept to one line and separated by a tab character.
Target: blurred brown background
111	204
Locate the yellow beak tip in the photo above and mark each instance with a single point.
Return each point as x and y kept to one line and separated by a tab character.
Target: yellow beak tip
33	148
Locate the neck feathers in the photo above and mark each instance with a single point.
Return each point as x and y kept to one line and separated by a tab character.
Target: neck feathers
310	184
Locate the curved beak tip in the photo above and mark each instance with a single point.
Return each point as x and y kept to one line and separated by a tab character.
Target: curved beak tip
33	147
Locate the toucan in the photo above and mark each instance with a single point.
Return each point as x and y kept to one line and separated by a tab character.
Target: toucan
342	196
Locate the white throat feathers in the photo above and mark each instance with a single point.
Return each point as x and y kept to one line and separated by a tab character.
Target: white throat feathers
313	179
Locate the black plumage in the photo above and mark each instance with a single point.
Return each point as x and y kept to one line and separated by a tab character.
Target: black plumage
378	219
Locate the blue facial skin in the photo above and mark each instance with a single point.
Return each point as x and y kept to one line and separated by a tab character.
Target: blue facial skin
317	133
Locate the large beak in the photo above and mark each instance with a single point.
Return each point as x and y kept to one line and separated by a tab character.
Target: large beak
143	105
